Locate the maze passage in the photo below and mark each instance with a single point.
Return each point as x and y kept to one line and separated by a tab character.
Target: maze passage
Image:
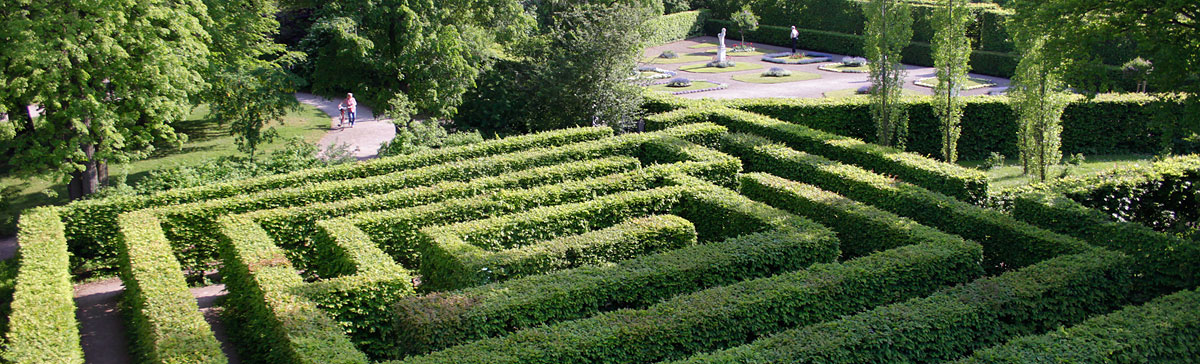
720	235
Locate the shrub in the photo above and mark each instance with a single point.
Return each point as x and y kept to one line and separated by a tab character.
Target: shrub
719	64
776	72
42	326
673	27
668	54
853	61
679	82
995	160
417	135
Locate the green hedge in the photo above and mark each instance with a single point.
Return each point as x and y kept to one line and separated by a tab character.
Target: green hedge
165	323
42	326
1163	263
954	322
8	282
266	315
861	228
963	183
1009	243
1105	124
733	314
91	225
673	27
1162	331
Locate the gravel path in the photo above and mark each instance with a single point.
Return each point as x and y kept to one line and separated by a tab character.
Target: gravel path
363	139
829	81
8	248
101	329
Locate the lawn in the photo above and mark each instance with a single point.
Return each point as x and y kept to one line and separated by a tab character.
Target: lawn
972	83
838	67
852	92
684	58
207	140
759	78
704	45
696	85
1009	175
739	66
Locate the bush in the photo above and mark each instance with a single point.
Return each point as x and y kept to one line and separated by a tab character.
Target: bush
853	61
676	26
668	54
995	160
956	321
776	72
679	82
719	64
1161	331
42	326
733	314
420	135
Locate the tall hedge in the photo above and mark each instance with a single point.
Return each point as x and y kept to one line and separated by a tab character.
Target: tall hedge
673	27
42	326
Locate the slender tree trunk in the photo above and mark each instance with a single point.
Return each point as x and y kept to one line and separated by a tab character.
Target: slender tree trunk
87	181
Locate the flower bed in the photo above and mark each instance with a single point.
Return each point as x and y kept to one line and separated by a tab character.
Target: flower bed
786	58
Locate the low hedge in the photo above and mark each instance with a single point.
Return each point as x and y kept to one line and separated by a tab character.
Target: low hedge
861	228
267	316
733	314
91	225
42	326
672	27
956	321
963	183
8	282
1104	124
1161	331
1009	243
165	323
1163	263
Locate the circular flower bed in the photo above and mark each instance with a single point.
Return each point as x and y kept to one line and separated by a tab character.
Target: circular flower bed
848	65
798	58
654	73
972	83
692	87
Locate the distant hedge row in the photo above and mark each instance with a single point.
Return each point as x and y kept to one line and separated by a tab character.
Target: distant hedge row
672	27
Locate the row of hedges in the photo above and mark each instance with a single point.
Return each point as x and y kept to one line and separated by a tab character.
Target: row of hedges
959	182
267	316
165	323
1163	263
673	27
733	314
954	322
1009	242
861	228
1162	331
441	320
42	326
1105	124
91	225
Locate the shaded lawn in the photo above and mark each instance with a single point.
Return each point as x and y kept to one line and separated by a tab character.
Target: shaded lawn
1009	175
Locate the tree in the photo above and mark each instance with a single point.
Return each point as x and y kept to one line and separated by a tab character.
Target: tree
745	20
1038	100
108	77
951	54
888	31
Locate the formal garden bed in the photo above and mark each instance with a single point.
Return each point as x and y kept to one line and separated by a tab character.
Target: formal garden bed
681	86
705	68
795	58
775	75
972	83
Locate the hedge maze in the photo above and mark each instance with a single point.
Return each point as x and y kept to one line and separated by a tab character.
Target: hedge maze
718	235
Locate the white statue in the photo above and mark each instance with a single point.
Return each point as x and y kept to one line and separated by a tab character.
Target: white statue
721	46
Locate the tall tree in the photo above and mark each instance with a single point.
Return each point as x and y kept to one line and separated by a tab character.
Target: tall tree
107	76
1038	99
888	31
951	57
745	20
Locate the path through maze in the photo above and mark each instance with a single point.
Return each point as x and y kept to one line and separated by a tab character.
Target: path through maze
719	235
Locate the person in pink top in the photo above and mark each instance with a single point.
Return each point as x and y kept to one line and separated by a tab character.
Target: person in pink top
350	106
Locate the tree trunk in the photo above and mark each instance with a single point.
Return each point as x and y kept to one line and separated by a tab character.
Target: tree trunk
88	180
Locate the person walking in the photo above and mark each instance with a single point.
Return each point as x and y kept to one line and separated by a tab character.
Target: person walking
351	107
795	37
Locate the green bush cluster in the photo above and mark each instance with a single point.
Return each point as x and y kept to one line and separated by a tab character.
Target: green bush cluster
966	184
165	324
8	281
733	314
673	27
956	321
1009	243
1161	331
42	326
1105	124
1163	263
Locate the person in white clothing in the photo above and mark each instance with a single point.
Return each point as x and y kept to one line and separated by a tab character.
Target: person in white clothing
350	106
795	37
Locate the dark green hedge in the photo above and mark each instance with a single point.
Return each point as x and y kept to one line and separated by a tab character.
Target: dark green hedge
165	323
1106	124
954	322
733	314
959	182
673	27
1163	263
1162	331
1009	243
42	326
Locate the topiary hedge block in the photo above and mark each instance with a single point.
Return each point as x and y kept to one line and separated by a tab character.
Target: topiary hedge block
42	326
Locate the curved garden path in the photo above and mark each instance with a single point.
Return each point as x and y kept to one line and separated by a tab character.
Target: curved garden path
363	139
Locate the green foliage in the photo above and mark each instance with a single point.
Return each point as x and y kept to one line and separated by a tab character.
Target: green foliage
745	21
1161	331
165	323
732	314
1038	101
951	58
8	282
888	31
42	326
956	321
418	135
677	6
673	27
1009	243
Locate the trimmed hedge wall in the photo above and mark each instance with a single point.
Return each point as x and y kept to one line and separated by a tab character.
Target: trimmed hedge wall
861	228
1009	243
42	326
1162	331
1163	263
673	27
166	324
952	323
733	314
963	183
91	225
268	318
